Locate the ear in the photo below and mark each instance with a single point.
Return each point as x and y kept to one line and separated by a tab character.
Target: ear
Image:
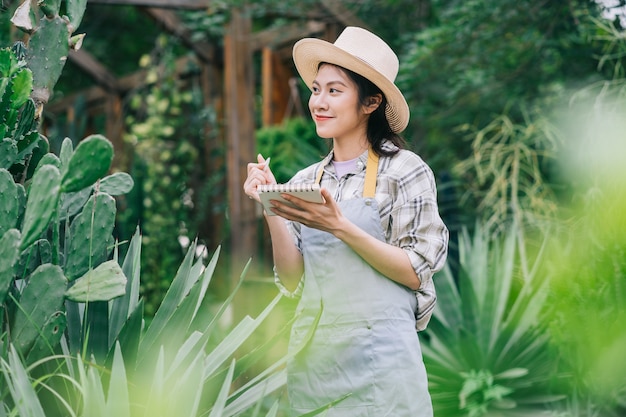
372	103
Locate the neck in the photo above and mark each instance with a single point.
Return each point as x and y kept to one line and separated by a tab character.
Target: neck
348	150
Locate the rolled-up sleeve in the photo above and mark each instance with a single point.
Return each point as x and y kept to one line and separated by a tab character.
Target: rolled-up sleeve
415	224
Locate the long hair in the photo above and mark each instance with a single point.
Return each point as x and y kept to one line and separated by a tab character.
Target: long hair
378	128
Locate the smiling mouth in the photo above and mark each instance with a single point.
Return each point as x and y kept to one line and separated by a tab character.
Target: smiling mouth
322	118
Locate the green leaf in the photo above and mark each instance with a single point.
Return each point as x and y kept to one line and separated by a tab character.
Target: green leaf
255	394
116	184
118	401
8	153
122	307
90	161
235	339
173	297
9	254
72	203
67	150
105	282
220	402
75	11
89	235
27	122
129	336
49	159
41	299
9	202
23	393
22	87
43	196
8	61
51	333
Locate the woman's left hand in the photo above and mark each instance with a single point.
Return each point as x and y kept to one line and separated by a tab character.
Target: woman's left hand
324	216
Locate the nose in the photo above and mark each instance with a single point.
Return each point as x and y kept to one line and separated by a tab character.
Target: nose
318	101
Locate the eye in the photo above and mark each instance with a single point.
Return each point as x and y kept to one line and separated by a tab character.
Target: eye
315	89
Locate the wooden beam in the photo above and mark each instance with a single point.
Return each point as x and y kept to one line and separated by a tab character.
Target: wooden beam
342	14
164	4
170	22
94	68
285	35
124	84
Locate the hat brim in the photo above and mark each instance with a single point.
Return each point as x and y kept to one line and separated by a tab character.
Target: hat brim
308	53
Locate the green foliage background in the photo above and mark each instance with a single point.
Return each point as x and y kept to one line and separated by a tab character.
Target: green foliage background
492	86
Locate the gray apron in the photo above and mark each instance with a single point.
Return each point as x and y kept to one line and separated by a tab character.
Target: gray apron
365	345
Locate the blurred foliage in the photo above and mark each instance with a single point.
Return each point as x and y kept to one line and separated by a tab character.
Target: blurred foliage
164	123
506	171
483	81
588	302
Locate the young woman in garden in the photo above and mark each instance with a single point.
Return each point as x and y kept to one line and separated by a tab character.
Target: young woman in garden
362	261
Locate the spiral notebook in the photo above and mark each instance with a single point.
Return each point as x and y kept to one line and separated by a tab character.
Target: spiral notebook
309	192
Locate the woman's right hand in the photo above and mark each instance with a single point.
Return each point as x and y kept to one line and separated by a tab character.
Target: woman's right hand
258	174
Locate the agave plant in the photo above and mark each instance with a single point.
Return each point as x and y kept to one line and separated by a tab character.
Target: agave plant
170	366
486	348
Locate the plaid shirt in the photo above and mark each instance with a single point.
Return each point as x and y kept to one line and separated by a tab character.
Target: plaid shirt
407	202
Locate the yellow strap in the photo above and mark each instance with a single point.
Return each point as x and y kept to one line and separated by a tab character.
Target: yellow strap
319	174
371	172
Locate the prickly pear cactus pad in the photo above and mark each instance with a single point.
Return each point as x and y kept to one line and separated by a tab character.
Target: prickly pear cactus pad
90	235
91	161
105	282
43	196
9	254
9	202
40	300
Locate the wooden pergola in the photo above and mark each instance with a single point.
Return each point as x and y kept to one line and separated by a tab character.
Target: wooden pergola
228	85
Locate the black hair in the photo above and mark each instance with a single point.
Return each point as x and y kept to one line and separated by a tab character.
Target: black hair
378	128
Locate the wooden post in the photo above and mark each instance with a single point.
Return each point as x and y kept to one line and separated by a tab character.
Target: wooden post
115	131
240	126
275	88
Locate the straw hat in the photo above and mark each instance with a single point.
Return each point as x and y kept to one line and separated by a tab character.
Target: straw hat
364	53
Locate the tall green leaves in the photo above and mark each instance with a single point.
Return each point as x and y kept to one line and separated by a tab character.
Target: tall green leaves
508	165
486	346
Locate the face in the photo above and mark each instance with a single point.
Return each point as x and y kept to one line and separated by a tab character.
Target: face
335	107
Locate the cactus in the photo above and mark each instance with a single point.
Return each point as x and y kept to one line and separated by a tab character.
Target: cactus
18	125
9	253
8	153
50	41
103	283
43	197
40	300
49	337
117	184
91	160
9	202
89	236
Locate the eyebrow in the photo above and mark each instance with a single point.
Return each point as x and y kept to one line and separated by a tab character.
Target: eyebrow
330	83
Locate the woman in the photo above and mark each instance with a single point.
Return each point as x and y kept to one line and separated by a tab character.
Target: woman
361	261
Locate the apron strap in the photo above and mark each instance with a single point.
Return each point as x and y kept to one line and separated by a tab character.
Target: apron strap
320	171
371	172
